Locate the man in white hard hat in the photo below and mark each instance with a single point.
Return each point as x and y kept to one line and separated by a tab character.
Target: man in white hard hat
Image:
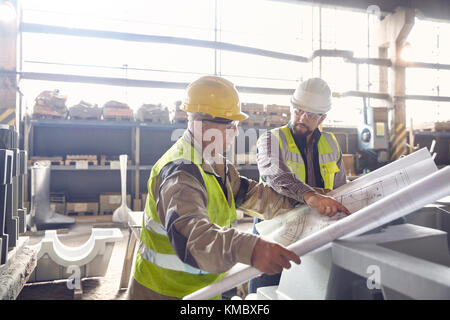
301	162
187	240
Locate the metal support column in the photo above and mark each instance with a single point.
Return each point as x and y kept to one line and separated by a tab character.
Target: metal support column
394	30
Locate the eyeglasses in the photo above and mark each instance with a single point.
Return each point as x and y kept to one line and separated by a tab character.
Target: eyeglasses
229	124
309	115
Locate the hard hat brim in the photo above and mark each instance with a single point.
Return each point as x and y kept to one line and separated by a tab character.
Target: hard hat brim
239	117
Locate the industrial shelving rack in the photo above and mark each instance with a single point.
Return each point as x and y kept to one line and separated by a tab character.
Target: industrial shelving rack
144	143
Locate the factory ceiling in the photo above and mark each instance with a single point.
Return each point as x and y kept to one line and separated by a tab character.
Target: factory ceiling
428	9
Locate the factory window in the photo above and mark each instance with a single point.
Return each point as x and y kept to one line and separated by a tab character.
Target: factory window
426	112
256	23
97	57
304	29
177	18
428	42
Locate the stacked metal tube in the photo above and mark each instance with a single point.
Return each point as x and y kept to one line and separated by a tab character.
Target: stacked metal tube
6	179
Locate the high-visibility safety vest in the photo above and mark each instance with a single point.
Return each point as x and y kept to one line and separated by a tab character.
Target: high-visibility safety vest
157	266
328	149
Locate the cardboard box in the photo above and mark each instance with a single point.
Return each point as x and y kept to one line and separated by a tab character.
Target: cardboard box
349	163
58	202
82	208
58	207
110	201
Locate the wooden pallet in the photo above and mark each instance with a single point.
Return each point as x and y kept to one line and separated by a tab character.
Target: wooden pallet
84	118
81	157
48	117
86	213
82	208
117	118
253	123
274	109
55	161
252	108
75	162
105	213
155	120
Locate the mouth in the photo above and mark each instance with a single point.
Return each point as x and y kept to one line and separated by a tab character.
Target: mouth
301	125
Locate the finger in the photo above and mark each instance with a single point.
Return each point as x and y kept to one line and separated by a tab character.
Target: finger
290	255
285	263
282	262
344	209
326	191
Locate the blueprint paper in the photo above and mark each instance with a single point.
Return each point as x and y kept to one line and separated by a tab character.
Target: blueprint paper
304	221
408	199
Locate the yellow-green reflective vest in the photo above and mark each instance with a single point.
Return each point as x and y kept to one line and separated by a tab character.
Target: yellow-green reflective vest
328	149
157	266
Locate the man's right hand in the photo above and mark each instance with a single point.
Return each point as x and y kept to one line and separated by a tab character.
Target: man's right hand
271	258
325	205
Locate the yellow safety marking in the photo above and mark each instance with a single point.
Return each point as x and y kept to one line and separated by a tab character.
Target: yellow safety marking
6	114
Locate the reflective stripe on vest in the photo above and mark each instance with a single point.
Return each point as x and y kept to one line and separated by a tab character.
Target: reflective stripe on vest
167	261
157	266
328	149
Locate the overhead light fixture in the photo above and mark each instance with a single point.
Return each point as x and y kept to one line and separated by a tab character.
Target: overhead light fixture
7	12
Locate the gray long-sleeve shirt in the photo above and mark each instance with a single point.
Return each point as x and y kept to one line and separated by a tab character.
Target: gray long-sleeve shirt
273	169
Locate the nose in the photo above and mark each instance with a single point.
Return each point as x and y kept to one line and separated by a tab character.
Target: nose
303	117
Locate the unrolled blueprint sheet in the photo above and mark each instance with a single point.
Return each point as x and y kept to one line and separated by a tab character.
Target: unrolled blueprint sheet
303	221
414	196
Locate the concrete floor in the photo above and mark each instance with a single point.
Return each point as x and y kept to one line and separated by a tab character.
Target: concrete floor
104	288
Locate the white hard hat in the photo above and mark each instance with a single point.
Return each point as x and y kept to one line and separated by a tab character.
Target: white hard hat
313	95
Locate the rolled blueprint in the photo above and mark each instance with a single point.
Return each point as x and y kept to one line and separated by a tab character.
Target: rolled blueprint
402	202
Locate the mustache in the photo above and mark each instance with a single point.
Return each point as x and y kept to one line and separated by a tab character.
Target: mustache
301	124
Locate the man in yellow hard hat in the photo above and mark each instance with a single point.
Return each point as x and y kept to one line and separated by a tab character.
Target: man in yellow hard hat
187	240
301	162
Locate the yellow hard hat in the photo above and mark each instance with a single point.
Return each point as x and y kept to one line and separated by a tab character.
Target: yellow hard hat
215	96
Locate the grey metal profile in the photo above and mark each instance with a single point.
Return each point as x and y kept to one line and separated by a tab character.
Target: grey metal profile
353	93
425	98
90	33
345	54
138	82
417	64
183	85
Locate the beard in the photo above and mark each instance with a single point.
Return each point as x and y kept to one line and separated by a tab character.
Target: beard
301	130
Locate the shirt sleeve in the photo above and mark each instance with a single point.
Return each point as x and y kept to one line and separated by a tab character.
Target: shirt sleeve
182	208
258	199
273	169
